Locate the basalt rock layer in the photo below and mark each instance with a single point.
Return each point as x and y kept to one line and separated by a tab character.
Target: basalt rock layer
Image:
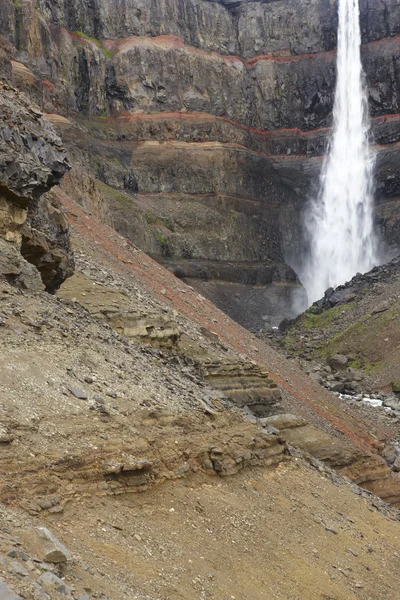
203	124
33	231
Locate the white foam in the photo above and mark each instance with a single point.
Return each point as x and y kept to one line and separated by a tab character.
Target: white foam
375	402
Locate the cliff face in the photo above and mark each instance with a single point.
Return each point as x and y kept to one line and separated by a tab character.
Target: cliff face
34	244
203	123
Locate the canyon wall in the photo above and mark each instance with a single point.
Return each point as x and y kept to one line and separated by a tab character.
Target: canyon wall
197	128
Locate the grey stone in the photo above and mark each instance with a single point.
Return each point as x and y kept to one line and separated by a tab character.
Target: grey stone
6	593
283	421
316	377
78	393
337	362
337	387
389	454
392	402
23	556
18	568
50	548
396	465
41	595
48	579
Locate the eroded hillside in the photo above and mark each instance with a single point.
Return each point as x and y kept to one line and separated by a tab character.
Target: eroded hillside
136	457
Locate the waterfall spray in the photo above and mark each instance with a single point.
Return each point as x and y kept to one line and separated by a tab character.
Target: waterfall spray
340	221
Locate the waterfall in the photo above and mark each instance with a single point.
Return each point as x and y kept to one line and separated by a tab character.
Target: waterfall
340	225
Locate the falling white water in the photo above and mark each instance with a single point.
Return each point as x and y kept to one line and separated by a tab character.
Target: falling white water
340	222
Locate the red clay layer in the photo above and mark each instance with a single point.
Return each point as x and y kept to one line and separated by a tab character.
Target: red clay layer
169	42
48	85
199	116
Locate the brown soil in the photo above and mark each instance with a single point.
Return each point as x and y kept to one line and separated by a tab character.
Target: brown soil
260	535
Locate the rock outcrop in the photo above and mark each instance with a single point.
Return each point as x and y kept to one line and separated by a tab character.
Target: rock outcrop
370	472
246	384
157	328
33	230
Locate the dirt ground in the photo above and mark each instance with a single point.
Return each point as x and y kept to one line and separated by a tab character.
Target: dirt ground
284	534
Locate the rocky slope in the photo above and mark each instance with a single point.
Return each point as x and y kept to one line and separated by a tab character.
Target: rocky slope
108	390
139	398
358	320
160	104
348	342
186	540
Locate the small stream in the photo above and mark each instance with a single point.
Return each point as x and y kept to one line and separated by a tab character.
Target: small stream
367	399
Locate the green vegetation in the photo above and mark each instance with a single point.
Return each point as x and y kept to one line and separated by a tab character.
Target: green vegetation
362	332
160	238
312	320
324	319
157	222
119	197
365	365
362	337
167	222
98	43
153	219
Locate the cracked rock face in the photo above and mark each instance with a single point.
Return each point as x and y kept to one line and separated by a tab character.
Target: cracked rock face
32	161
32	158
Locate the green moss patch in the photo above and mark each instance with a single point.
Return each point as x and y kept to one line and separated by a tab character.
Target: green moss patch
117	196
96	42
320	321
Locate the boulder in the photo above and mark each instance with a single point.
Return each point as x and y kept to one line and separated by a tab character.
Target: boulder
389	454
337	362
284	421
392	402
50	580
47	546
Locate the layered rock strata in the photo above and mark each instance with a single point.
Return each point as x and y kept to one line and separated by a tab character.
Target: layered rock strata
157	328
368	471
246	384
171	100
